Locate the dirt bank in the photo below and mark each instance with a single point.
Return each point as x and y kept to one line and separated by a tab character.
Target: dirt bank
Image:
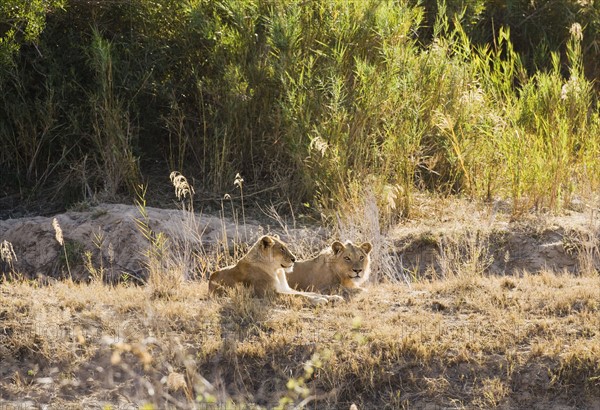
428	246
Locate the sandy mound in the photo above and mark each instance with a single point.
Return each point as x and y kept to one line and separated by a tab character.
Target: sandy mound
493	243
427	246
112	235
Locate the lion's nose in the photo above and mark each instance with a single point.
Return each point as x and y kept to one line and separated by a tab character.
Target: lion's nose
293	259
357	271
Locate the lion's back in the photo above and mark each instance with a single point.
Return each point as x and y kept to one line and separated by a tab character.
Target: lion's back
223	278
253	275
313	275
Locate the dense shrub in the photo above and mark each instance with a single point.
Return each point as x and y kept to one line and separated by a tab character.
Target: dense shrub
316	99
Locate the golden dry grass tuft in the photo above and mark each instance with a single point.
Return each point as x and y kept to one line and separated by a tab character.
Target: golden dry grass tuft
529	341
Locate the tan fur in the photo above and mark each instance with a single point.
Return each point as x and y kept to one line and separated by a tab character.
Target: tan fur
339	265
264	269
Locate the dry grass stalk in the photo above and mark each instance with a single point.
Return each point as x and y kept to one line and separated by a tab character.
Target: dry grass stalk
466	255
58	232
7	253
7	258
60	239
182	188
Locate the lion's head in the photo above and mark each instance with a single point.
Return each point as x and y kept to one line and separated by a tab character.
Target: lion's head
352	262
272	251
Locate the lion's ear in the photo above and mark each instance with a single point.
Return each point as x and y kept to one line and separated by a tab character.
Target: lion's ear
337	247
367	247
276	236
266	241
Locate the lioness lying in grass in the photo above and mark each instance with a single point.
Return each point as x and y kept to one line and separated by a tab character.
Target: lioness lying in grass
345	265
264	269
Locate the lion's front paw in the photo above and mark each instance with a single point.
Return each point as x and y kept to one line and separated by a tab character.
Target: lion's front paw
318	300
335	298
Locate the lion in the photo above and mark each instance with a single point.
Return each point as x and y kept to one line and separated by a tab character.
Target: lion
264	269
339	265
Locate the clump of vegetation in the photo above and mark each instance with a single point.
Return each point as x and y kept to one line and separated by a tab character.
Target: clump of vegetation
309	100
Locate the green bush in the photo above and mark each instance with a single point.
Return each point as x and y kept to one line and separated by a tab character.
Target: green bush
320	100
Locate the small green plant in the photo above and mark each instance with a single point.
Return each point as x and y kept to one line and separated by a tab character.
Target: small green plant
298	389
162	281
96	274
113	130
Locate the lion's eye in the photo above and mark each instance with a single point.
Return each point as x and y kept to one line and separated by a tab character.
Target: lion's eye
362	257
347	259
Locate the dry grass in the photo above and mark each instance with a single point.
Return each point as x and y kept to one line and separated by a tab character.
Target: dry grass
458	343
460	340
